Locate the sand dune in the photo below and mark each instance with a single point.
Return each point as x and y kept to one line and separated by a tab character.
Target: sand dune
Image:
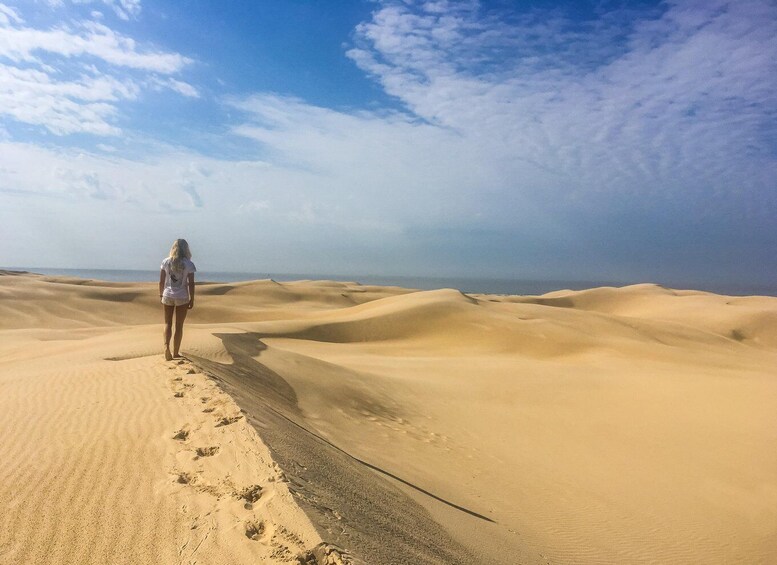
750	319
612	425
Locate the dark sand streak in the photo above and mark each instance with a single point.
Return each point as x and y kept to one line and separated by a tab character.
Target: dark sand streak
349	504
384	472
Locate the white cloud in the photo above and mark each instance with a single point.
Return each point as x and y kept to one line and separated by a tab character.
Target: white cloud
679	107
628	132
369	169
178	86
8	15
19	43
166	179
66	79
124	9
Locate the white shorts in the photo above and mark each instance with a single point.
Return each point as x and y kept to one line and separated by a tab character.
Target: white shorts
167	301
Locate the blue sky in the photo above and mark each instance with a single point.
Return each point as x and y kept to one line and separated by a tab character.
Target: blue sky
632	141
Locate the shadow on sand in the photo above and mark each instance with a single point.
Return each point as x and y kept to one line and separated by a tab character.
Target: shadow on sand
348	503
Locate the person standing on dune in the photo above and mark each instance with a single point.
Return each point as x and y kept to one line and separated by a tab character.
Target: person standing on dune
176	289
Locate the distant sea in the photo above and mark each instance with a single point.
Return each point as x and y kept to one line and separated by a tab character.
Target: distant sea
470	285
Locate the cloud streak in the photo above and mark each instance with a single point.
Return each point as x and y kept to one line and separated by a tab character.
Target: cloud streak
69	79
678	105
124	9
603	139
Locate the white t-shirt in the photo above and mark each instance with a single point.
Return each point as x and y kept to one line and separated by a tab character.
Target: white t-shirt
176	283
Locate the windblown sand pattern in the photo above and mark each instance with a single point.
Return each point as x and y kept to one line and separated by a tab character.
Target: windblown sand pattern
630	425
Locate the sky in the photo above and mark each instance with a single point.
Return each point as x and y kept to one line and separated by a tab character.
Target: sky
628	141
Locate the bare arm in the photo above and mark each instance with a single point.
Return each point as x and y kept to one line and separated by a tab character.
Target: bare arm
191	291
162	277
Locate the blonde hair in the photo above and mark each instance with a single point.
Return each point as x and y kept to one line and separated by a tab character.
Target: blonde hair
178	252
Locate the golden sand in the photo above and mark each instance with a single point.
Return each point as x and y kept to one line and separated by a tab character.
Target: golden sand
614	425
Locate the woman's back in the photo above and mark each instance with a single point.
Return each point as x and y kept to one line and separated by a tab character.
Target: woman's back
177	276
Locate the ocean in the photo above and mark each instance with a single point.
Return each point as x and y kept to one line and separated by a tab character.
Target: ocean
469	285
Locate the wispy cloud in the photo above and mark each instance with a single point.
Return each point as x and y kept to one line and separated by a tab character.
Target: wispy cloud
678	101
19	43
183	88
672	109
583	139
124	9
369	168
70	78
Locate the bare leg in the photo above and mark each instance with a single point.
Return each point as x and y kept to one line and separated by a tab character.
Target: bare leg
168	329
180	317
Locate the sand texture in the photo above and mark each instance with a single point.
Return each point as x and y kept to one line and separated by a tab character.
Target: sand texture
612	425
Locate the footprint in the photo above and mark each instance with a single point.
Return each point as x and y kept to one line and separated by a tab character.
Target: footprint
204	399
207	451
177	379
251	494
185	478
212	490
178	394
227	420
289	537
181	434
281	552
208	410
254	530
322	553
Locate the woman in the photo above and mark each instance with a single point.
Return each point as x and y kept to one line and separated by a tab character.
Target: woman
176	289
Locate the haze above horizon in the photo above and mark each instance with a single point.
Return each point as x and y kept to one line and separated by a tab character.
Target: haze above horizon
568	140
